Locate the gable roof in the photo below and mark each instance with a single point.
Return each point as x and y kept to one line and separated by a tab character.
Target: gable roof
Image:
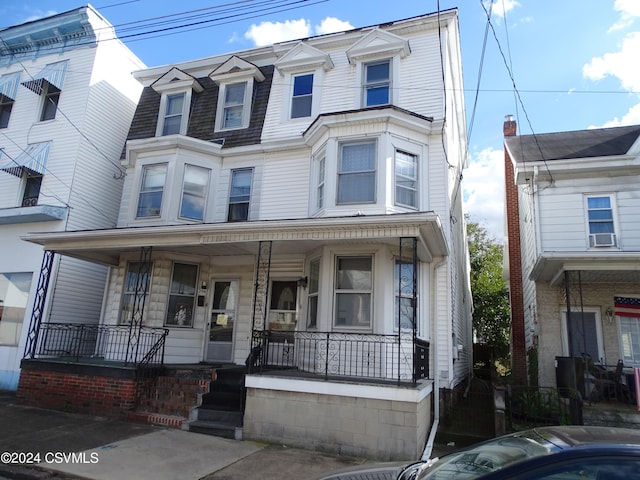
597	142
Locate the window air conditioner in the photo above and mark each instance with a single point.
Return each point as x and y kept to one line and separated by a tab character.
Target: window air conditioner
30	202
602	240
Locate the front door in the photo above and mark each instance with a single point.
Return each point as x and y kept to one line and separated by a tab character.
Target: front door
221	323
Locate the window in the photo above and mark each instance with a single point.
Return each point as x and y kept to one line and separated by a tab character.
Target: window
6	105
404	307
240	195
283	310
32	185
628	312
136	282
377	83
14	292
194	192
151	190
233	109
583	334
51	97
353	291
302	96
182	295
321	181
406	172
357	173
600	218
173	114
312	294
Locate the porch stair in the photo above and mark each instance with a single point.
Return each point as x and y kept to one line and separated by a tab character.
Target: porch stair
221	410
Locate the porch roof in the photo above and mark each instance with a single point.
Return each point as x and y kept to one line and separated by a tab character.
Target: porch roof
616	266
288	236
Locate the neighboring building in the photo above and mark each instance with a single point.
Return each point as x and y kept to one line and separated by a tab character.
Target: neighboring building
574	211
298	208
67	98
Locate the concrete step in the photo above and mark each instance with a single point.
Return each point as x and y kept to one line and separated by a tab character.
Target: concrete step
215	415
216	429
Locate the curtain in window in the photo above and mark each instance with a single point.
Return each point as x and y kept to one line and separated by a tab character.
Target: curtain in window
357	173
182	295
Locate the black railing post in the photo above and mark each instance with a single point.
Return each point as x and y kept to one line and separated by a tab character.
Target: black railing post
38	304
326	358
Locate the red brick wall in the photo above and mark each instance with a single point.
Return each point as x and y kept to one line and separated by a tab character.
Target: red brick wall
96	395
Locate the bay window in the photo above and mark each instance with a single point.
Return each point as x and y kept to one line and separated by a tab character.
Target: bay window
151	190
357	173
195	185
406	179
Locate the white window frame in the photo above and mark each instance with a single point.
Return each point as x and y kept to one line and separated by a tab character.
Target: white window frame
202	196
596	239
340	172
246	105
229	202
143	170
397	268
399	177
175	318
313	292
49	92
565	331
293	97
124	315
622	326
353	291
321	184
162	115
366	86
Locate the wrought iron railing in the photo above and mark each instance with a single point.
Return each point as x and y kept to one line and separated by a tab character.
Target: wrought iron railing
111	343
392	358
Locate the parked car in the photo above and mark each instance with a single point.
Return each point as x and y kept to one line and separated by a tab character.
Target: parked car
550	453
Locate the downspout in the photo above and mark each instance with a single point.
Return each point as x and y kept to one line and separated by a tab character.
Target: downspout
426	454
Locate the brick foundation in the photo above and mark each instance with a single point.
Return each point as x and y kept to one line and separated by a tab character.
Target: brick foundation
80	393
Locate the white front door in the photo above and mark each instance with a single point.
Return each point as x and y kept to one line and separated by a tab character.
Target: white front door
224	307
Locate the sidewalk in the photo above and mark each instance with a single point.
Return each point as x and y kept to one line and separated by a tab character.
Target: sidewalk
72	446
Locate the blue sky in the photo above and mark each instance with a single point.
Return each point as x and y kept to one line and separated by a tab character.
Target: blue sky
574	62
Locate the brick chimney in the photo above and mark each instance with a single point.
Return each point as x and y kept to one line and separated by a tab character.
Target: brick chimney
514	252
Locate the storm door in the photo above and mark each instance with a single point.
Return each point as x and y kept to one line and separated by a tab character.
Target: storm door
224	307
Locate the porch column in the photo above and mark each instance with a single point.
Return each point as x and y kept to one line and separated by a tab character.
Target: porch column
142	287
38	304
259	338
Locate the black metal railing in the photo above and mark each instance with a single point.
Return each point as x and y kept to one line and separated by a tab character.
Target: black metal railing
609	383
110	343
392	358
528	407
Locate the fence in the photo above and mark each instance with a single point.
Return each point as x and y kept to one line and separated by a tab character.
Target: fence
330	354
113	343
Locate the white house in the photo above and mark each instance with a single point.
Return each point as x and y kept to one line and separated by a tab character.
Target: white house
66	102
578	204
297	209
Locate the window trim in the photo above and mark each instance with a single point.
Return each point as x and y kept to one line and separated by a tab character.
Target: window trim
366	86
397	261
34	179
175	315
127	320
612	241
415	179
598	333
339	172
6	107
313	291
293	96
50	94
248	202
204	197
337	291
143	169
184	115
246	105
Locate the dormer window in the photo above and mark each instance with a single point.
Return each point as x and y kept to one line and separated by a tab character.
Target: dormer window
176	88
301	100
236	79
377	83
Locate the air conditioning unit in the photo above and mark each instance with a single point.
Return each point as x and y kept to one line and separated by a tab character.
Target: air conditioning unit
602	240
30	202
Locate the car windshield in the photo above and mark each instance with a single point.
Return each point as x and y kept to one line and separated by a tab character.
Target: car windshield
484	458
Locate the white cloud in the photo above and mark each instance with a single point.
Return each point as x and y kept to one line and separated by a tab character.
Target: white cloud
332	25
629	11
501	7
38	14
483	187
622	64
632	117
267	33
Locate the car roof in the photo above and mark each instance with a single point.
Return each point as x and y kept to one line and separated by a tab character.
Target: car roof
573	436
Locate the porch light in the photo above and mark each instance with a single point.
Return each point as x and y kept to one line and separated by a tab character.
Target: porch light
609	313
302	282
203	286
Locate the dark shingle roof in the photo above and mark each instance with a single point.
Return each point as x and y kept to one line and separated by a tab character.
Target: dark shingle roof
597	142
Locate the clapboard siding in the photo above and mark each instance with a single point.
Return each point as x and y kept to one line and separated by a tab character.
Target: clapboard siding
290	199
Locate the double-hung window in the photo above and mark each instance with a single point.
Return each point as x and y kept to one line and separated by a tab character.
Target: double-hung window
357	173
601	221
194	192
320	189
312	293
406	174
51	97
182	295
6	105
301	100
404	286
151	190
240	194
353	292
173	113
135	292
377	83
234	104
